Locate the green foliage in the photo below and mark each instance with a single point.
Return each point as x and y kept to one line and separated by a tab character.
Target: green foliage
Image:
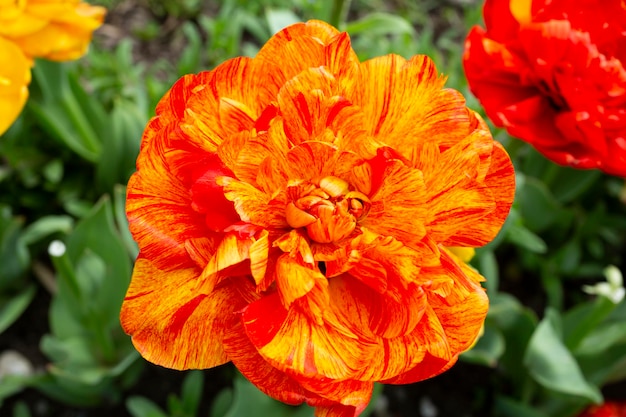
184	406
63	165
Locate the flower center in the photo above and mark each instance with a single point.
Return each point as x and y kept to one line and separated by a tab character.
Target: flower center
327	208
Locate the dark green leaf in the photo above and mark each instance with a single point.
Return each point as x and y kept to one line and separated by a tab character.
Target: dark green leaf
12	306
191	392
143	407
552	365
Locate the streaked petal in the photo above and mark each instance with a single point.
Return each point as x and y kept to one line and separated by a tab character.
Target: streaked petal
291	342
185	329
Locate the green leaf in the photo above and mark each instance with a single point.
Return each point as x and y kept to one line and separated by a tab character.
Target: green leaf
96	233
521	236
12	307
551	364
20	409
571	183
380	24
66	391
143	407
11	385
488	349
583	319
487	265
191	392
67	115
119	210
537	206
517	324
509	407
190	58
603	338
117	159
46	226
278	19
14	256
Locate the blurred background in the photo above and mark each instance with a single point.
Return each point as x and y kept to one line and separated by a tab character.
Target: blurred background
549	348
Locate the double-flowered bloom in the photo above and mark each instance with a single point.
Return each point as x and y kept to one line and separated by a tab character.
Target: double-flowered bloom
552	73
294	213
58	30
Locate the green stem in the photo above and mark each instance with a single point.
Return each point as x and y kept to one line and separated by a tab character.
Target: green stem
65	272
339	13
102	336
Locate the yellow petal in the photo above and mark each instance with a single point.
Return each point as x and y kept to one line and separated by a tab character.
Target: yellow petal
14	80
521	10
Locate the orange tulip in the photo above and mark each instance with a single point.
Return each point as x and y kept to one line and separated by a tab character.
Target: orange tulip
14	80
58	30
293	213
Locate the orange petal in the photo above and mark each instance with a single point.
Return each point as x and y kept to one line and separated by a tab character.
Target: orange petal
158	206
398	205
350	311
406	103
462	311
306	41
315	160
429	367
295	244
261	158
231	251
268	379
325	395
290	341
259	254
172	105
253	205
469	209
313	103
295	279
229	100
185	329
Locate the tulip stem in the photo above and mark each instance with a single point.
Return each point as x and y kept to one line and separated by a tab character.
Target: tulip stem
339	13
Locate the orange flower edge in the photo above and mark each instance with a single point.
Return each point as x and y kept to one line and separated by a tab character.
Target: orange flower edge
293	213
552	73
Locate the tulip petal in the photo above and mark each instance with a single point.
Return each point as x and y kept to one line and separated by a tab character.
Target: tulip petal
14	80
291	342
406	99
398	204
185	330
